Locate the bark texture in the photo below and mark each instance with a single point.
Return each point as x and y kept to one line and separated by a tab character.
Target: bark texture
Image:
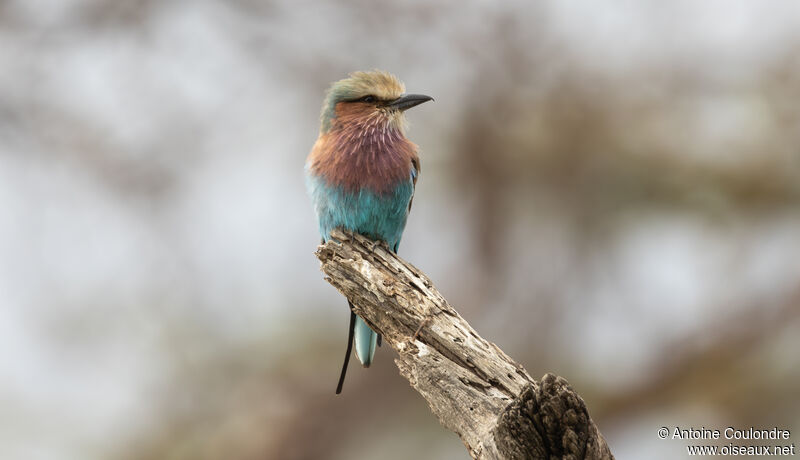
473	388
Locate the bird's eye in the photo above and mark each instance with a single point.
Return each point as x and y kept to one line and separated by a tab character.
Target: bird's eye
368	99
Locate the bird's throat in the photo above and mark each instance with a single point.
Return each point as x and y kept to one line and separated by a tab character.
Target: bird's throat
372	153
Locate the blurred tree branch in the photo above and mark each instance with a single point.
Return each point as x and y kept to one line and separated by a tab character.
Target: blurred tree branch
700	365
473	388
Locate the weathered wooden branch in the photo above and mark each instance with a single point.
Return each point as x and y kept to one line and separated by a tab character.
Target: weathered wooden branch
475	389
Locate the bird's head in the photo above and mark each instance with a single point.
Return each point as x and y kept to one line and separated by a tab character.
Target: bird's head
367	98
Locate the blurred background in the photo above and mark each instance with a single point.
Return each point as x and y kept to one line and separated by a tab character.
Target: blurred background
608	192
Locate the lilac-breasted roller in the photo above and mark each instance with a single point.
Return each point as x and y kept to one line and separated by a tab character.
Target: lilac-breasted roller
362	171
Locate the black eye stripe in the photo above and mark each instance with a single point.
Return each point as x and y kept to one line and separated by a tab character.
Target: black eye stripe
368	99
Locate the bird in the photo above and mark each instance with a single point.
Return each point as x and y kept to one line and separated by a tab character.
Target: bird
361	173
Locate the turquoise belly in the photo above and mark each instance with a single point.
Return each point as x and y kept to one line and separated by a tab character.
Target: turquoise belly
378	216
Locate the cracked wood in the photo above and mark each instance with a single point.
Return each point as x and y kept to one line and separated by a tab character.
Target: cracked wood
473	387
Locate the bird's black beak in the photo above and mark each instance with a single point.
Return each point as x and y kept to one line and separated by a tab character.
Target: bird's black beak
408	101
